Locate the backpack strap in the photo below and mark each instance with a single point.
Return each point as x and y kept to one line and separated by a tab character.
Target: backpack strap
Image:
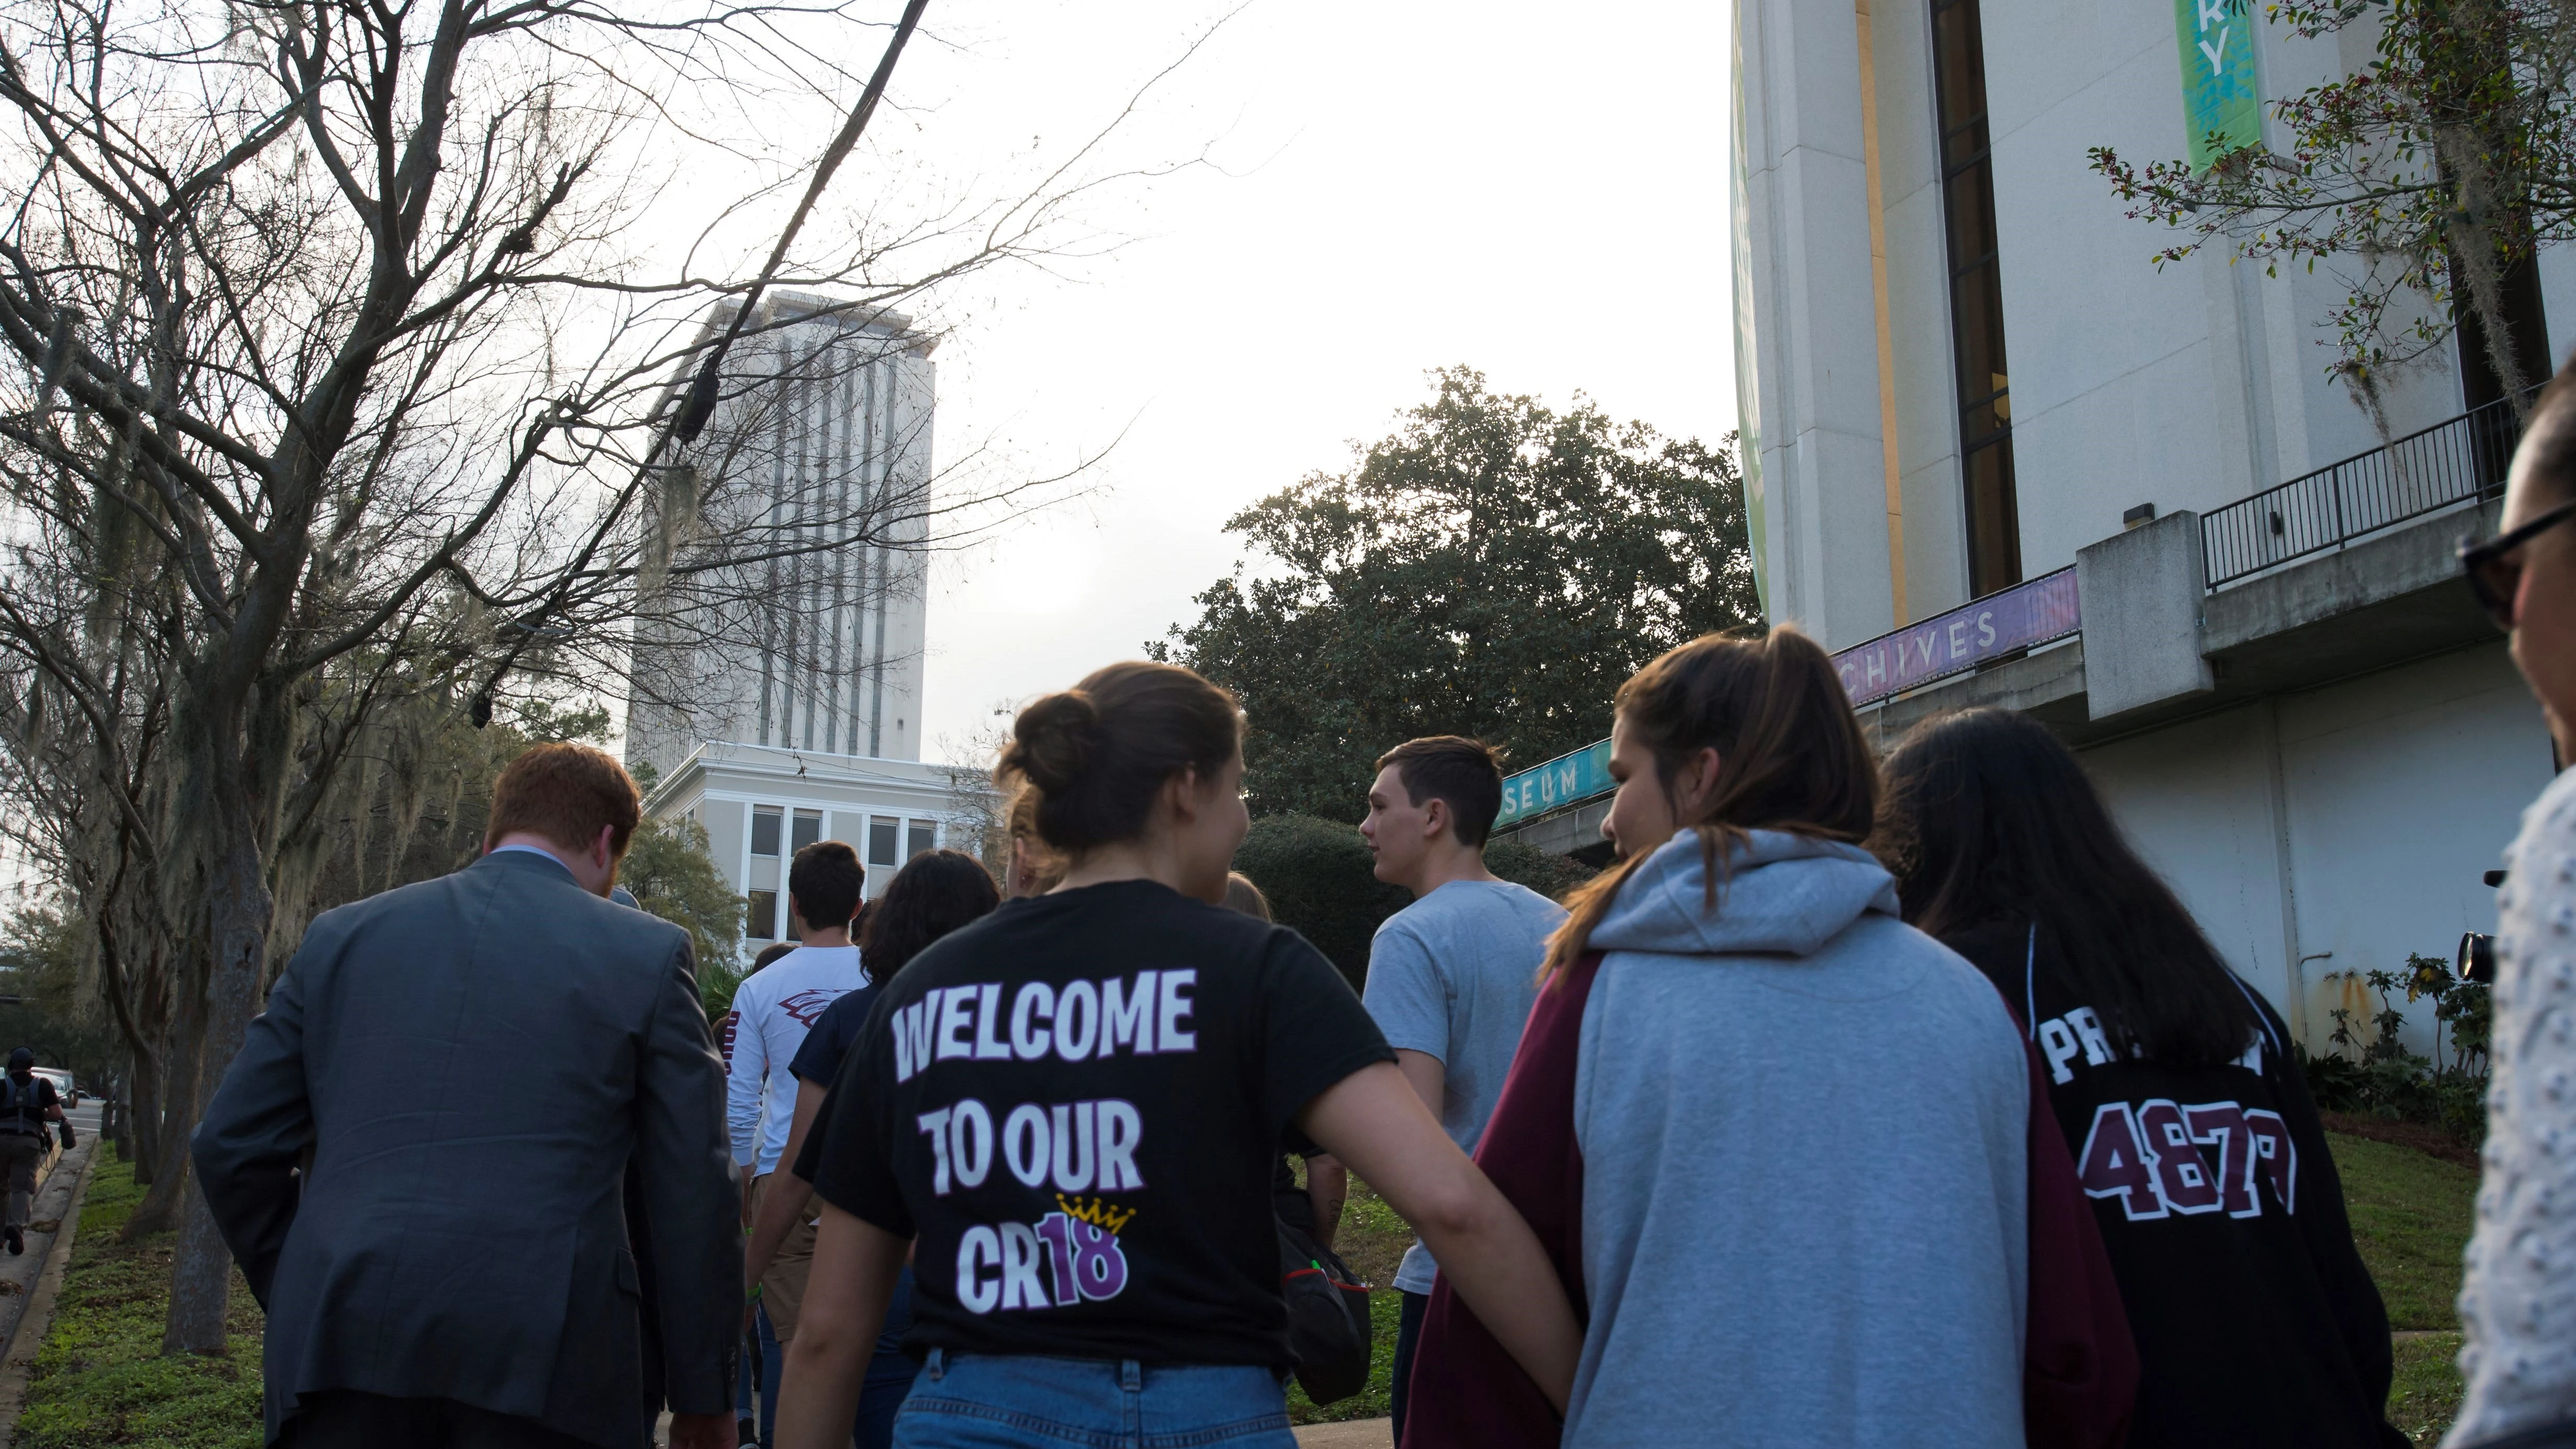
2030	984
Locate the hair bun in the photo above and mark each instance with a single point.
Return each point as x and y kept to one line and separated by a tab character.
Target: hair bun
1053	741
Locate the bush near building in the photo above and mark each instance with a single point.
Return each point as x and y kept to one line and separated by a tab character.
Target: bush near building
2370	1073
1321	881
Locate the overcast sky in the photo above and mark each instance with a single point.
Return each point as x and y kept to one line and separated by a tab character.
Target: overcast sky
1538	192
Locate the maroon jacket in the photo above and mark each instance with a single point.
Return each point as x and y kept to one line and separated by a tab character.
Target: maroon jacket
2080	1370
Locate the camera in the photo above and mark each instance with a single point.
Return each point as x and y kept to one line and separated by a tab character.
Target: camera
2476	959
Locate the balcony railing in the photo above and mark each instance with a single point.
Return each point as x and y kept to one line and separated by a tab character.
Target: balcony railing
2420	473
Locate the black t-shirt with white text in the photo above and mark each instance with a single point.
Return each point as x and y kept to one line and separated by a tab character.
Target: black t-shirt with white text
1076	1105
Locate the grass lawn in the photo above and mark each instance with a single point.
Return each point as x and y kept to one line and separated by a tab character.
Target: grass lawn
100	1378
2411	1216
2427	1391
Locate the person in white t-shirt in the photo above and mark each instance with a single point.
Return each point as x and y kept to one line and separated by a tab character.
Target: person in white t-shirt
773	1010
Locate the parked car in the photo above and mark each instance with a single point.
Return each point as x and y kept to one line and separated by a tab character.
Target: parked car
63	1085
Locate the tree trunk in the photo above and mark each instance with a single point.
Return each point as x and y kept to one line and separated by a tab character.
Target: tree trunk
238	908
174	1109
142	1122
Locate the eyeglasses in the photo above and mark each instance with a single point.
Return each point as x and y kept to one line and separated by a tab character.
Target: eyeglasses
2495	579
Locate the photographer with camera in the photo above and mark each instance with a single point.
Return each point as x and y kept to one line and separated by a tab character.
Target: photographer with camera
2520	1291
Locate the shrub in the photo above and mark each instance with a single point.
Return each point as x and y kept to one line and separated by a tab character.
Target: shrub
1322	882
2386	1080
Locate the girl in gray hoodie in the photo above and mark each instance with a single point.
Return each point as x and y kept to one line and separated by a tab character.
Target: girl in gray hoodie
1782	1142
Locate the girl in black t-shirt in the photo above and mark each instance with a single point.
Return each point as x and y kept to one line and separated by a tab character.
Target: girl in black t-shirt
2193	1132
1076	1105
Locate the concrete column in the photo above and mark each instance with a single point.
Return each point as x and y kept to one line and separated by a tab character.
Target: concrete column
1805	249
2141	595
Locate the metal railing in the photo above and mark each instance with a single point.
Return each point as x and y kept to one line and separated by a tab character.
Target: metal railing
2447	463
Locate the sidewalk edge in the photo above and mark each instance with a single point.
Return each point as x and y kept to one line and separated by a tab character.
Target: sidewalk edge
16	1366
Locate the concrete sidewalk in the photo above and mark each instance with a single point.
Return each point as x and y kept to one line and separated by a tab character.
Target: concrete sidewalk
1351	1434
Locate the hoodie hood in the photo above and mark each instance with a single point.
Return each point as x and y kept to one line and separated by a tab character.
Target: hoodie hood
1784	895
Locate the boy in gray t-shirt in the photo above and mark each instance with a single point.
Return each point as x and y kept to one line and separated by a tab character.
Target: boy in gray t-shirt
1451	977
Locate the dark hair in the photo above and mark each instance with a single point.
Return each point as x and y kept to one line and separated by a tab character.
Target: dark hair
1790	754
768	954
1464	774
566	793
936	892
827	881
1098	752
1990	820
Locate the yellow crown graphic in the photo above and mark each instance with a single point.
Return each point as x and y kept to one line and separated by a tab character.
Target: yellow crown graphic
1097	1213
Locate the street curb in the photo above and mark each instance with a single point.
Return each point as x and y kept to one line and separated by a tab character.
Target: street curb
16	1366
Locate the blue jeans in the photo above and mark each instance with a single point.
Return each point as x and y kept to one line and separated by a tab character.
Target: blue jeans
1021	1401
890	1374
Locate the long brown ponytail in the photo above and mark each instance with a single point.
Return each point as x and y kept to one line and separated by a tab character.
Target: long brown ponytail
1790	755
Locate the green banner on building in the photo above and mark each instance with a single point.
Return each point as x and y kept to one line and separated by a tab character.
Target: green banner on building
2222	101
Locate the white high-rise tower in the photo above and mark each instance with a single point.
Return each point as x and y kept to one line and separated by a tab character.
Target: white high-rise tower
775	691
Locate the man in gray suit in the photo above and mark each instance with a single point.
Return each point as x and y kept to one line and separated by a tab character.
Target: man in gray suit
418	1156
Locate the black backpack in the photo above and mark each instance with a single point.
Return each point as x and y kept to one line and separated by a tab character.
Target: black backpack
1329	1332
20	1104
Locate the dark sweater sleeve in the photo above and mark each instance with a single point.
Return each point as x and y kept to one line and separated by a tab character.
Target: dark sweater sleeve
2079	1364
2360	1318
1466	1391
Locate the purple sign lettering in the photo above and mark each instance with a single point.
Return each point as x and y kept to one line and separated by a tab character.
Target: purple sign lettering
2045	608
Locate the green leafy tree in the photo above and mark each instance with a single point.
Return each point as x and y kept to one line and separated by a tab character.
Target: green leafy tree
2428	174
671	868
1493	569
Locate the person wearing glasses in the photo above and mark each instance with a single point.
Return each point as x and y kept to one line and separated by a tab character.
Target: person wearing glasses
2518	1301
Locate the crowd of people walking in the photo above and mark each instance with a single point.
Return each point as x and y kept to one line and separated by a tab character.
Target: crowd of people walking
1859	1103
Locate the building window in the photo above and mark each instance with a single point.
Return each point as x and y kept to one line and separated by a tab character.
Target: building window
764	829
922	832
881	841
1976	298
809	828
760	916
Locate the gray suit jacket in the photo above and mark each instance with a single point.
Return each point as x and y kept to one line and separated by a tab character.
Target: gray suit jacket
471	1062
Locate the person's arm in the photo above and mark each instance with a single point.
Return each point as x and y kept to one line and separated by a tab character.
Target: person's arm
788	1193
1426	1074
746	1069
1328	1186
853	1278
254	1133
1377	1125
686	1176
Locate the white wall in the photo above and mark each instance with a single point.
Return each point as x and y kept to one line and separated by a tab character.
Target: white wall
2186	387
2404	789
2397	790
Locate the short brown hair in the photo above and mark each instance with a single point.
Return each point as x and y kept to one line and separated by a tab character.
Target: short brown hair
1097	753
827	882
566	793
1242	896
1464	774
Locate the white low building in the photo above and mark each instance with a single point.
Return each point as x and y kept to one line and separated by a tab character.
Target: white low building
761	804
